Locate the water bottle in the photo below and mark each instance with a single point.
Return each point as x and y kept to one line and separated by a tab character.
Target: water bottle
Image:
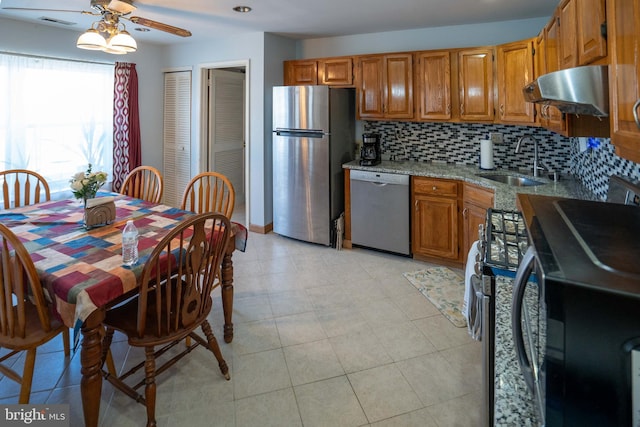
129	244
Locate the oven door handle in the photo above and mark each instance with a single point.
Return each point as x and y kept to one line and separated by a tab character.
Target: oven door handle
519	286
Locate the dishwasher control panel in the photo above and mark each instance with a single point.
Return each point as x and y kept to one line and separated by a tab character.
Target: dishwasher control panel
380	177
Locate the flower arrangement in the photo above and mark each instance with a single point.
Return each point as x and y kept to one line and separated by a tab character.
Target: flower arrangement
85	185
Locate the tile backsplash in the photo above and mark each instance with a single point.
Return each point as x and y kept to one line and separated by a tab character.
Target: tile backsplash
594	166
459	143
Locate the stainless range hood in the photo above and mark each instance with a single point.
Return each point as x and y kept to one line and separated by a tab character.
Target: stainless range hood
579	90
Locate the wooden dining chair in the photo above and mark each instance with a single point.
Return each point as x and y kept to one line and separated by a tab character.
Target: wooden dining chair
174	299
209	192
25	319
144	182
23	187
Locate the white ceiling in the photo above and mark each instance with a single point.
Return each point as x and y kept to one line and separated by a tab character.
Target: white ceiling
297	19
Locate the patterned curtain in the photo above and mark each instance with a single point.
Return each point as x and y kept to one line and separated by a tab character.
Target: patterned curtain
126	123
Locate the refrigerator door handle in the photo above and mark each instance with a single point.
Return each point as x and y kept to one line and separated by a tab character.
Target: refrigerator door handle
304	133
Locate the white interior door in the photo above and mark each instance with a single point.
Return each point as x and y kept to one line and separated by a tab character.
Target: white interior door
226	139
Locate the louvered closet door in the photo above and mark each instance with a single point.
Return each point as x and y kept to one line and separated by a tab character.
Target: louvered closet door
226	127
177	135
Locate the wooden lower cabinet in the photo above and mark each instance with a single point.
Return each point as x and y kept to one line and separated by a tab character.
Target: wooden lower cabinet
435	219
475	202
445	218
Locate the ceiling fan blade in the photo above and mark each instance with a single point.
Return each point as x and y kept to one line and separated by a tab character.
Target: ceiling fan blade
42	10
159	26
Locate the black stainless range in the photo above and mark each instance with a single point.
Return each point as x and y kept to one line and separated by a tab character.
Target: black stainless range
573	313
502	244
579	343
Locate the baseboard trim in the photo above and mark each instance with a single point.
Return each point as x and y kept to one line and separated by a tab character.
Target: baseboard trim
262	229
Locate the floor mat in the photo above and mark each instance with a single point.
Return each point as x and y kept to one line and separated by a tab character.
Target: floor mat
444	288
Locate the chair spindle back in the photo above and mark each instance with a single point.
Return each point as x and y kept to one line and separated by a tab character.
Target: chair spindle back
22	187
179	275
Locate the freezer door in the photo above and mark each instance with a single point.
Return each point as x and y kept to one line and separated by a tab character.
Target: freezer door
301	107
301	202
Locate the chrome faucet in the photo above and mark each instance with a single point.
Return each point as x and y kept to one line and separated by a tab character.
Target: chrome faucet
535	151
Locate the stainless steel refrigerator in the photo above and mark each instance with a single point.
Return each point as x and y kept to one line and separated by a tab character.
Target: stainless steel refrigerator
314	134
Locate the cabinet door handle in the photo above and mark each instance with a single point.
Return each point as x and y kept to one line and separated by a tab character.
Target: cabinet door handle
635	113
416	204
435	188
464	212
502	110
462	109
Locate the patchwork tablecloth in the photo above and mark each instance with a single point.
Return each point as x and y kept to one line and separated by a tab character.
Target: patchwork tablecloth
82	269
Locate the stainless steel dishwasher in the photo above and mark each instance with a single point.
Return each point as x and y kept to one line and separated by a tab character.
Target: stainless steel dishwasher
380	217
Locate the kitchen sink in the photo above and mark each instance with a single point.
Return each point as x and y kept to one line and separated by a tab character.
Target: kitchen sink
514	180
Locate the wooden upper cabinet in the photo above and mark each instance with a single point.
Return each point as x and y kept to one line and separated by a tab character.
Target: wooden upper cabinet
514	71
398	87
539	55
475	81
591	18
336	71
568	34
433	85
624	87
385	86
539	65
370	82
550	117
330	71
300	73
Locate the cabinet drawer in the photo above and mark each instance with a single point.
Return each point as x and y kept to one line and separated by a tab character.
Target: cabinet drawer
434	186
478	196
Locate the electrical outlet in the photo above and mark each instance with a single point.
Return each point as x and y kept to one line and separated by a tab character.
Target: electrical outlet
496	137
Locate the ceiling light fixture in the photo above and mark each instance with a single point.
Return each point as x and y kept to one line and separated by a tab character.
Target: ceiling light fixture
242	9
91	40
122	41
116	40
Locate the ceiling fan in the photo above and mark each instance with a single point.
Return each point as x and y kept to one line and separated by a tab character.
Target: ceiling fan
117	40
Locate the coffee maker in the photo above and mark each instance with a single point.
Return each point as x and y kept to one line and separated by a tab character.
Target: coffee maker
370	152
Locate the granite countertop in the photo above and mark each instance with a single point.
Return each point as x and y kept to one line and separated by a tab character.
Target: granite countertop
514	404
506	194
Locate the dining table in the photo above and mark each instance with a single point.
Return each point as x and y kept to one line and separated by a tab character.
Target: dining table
82	273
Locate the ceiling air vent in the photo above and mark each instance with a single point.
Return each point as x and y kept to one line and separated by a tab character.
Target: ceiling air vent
56	21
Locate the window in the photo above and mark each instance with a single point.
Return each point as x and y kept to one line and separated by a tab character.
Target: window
56	117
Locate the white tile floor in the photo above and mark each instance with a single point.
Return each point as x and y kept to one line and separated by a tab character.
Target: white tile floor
322	338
